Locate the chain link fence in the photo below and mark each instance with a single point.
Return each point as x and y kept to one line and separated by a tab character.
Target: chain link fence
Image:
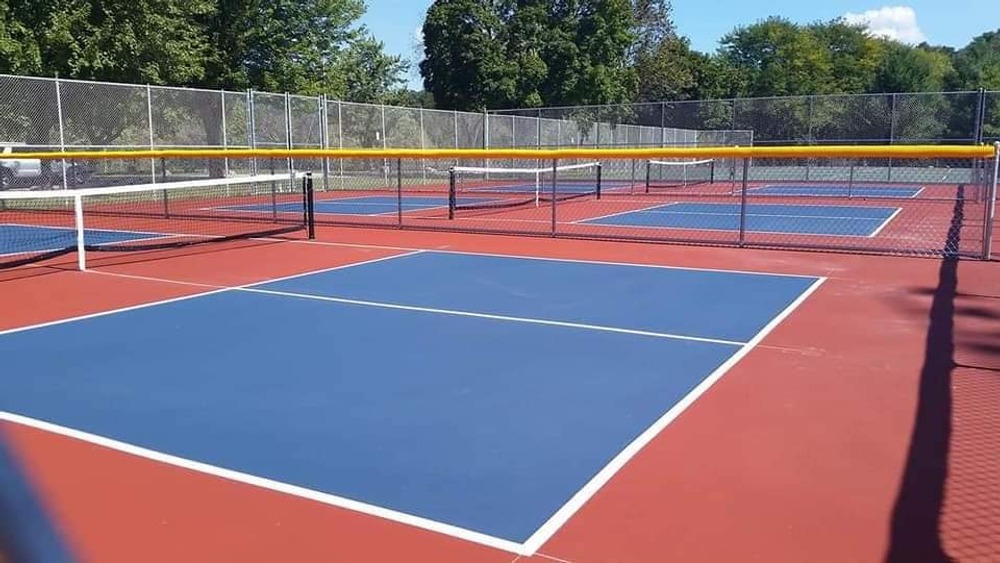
53	114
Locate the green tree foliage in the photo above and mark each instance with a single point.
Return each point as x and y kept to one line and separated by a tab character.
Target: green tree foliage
779	58
502	53
977	65
465	65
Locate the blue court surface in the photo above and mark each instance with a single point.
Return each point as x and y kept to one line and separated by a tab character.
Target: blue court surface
837	190
25	239
480	392
364	205
833	220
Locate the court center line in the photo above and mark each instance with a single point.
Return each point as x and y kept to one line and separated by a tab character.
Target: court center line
563	515
217	289
451	312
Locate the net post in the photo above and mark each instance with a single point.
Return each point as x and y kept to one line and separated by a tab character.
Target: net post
743	202
451	193
81	259
555	164
310	206
850	180
399	191
600	167
711	172
991	205
649	167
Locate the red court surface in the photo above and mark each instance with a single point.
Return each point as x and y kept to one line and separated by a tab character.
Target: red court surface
863	428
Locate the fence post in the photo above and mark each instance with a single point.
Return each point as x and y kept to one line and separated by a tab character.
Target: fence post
288	137
385	162
152	142
340	139
991	205
324	139
62	134
743	203
225	136
251	134
977	134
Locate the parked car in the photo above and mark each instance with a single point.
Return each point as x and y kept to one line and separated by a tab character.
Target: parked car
33	173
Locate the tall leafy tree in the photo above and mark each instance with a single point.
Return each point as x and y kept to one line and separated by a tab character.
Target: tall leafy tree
502	53
977	65
780	58
465	66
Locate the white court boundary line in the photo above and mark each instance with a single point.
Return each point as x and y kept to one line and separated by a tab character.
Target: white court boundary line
544	532
270	484
653	210
885	223
547	530
918	191
26	328
538	258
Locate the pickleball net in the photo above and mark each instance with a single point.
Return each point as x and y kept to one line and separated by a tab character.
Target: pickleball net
672	174
38	225
500	187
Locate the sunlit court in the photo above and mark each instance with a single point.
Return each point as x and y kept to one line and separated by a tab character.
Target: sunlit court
566	287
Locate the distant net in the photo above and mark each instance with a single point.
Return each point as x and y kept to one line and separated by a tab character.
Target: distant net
475	187
664	174
37	225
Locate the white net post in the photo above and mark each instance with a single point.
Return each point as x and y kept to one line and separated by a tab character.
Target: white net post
991	205
81	258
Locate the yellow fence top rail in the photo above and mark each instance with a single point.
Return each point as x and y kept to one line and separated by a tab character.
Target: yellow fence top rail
830	151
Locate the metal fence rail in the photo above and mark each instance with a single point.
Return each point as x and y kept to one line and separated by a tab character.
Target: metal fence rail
55	114
919	207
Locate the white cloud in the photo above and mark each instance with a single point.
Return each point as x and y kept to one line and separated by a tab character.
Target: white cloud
893	22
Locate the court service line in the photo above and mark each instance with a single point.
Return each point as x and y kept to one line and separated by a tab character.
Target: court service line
281	487
217	289
450	312
561	516
441	250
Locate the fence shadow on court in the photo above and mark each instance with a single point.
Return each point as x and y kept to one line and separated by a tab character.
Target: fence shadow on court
915	527
27	530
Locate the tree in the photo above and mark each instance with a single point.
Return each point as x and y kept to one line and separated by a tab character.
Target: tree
977	65
854	55
779	58
912	69
663	63
464	65
494	54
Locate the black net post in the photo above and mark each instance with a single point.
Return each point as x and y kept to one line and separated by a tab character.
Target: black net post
310	206
649	166
451	193
599	168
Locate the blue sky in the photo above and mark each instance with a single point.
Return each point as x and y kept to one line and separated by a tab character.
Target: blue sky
941	22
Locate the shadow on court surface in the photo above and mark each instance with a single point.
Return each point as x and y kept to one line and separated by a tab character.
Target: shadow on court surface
915	528
27	531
